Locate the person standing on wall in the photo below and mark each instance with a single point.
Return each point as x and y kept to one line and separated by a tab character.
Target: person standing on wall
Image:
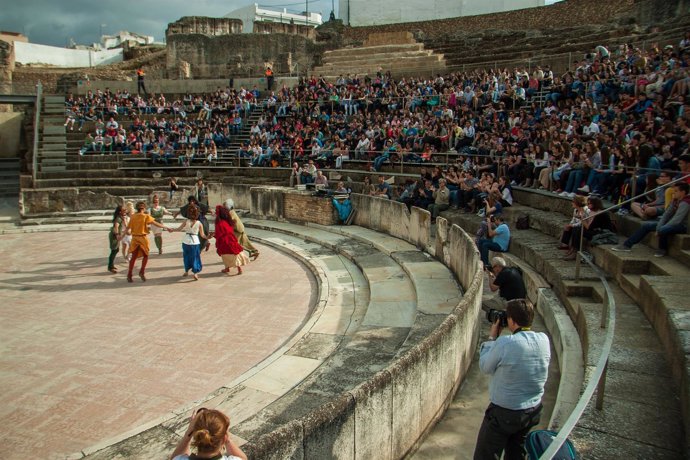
140	81
518	364
269	78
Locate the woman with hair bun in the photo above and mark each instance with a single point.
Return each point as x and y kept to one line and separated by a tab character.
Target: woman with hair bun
191	246
209	435
227	245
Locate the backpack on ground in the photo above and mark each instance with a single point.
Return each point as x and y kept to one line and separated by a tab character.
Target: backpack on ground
539	440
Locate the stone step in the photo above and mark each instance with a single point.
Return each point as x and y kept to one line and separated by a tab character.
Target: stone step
398	71
9	165
49	99
56	146
54	168
383	58
43	153
366	50
43	162
56	130
385	62
54	139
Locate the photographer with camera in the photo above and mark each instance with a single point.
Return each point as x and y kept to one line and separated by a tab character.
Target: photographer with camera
507	281
518	364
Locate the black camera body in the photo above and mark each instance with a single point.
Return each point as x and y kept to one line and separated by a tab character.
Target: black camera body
492	315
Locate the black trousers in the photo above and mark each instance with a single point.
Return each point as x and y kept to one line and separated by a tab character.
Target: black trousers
505	429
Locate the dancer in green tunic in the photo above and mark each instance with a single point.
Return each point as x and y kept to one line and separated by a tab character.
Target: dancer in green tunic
114	236
157	212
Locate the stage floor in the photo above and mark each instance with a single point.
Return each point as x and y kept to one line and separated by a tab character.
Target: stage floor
86	356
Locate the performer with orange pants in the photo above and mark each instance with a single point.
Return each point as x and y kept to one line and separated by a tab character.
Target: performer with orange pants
139	228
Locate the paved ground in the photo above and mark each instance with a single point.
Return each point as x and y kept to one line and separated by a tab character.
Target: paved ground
85	356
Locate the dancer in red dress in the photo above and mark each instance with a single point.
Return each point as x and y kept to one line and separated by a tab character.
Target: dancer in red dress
227	246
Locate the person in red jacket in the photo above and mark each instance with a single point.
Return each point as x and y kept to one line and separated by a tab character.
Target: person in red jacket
227	246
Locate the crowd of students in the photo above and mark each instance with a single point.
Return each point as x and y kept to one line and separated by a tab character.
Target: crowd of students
618	114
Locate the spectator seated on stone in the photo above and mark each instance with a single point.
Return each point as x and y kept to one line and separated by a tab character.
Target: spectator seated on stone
594	223
492	208
673	221
308	174
498	241
654	206
383	188
441	202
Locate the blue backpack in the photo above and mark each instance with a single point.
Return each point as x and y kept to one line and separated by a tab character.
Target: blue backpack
539	440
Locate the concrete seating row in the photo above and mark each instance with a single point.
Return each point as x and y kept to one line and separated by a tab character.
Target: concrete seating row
637	367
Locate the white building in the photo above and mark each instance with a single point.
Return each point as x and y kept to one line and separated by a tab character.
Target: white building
113	41
367	12
254	12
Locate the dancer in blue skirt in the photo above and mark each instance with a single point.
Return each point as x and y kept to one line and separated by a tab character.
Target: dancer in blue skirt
191	247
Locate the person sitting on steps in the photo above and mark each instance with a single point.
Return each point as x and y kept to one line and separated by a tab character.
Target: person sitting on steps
673	221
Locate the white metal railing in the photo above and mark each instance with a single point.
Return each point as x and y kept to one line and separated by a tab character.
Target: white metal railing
37	123
597	380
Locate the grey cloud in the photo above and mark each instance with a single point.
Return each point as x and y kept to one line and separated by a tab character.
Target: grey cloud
54	22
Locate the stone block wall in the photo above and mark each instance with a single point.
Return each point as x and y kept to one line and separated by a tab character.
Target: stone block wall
304	207
204	25
262	27
6	69
242	55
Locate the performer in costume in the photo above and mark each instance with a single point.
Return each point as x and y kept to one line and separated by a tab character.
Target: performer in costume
138	228
203	210
241	235
126	239
157	212
227	246
191	247
114	236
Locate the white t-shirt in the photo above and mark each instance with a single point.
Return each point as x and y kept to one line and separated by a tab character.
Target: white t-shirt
191	230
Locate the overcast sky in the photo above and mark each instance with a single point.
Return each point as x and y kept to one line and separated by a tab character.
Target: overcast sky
54	22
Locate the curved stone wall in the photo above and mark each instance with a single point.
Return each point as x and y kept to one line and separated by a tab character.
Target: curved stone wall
385	416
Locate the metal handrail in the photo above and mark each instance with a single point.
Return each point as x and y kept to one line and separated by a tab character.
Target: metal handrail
608	321
598	379
37	122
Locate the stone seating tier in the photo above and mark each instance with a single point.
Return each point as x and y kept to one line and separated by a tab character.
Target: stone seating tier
399	59
639	383
515	45
377	50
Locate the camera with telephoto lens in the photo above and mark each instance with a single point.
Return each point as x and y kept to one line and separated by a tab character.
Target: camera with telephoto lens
492	315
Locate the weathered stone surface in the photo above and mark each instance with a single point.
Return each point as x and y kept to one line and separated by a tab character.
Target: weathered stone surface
64	200
204	25
241	54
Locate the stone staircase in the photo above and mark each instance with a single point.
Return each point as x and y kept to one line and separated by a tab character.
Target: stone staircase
643	406
9	177
395	52
53	140
229	155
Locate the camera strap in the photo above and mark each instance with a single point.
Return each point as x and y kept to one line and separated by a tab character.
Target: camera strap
522	329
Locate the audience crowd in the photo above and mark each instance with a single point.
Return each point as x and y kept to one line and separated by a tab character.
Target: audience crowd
613	125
